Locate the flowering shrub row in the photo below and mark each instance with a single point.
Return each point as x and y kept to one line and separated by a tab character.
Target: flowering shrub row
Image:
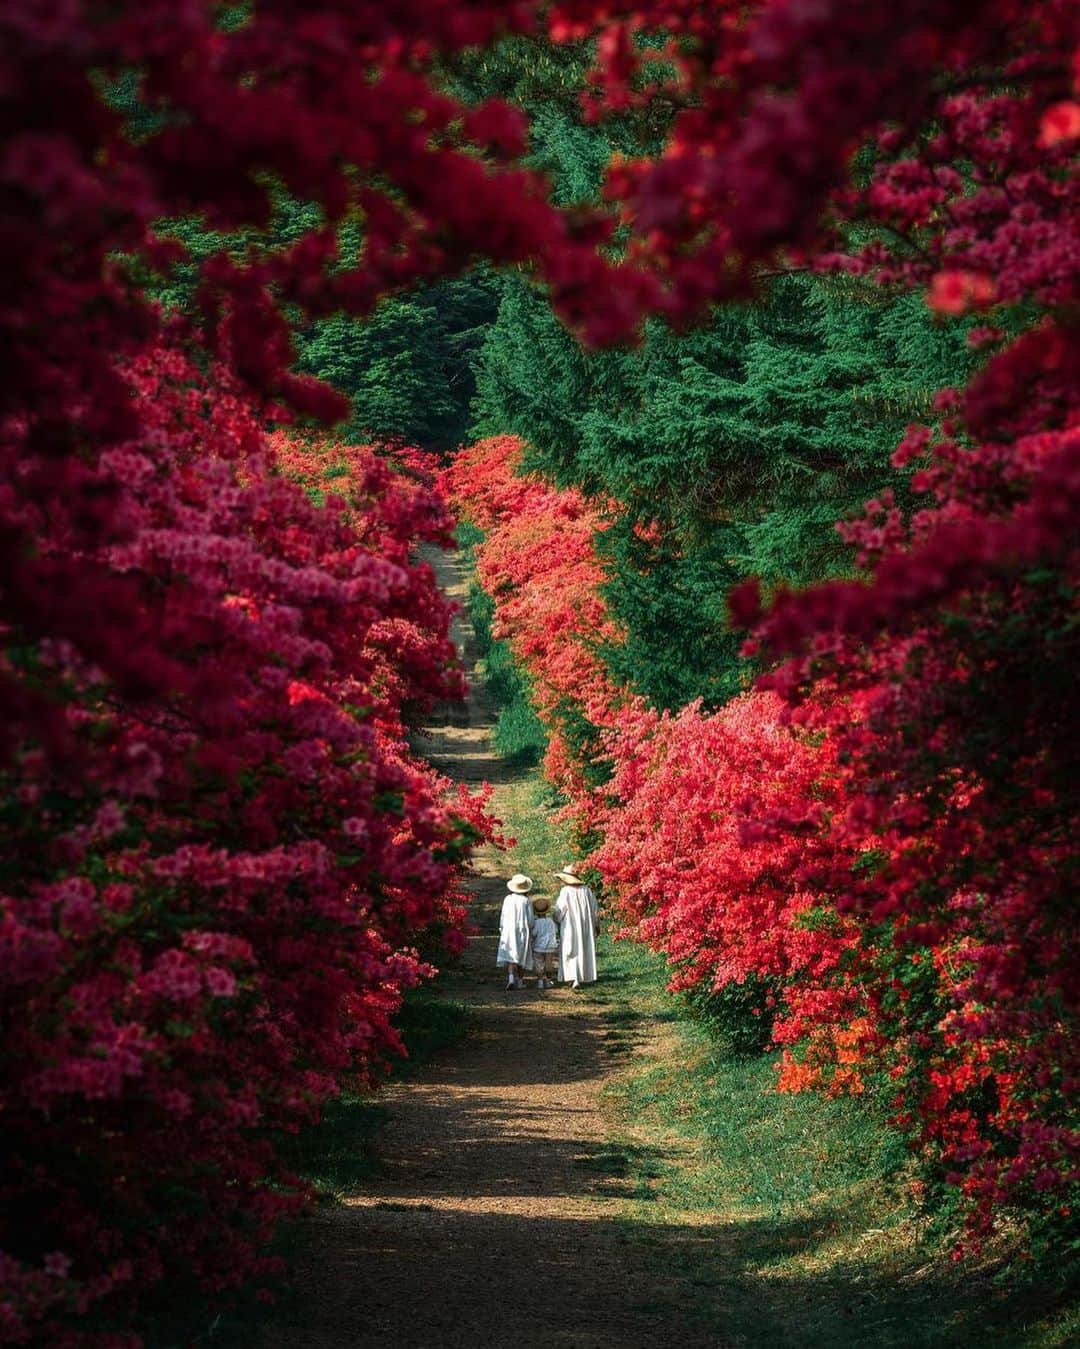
211	895
875	862
882	834
539	564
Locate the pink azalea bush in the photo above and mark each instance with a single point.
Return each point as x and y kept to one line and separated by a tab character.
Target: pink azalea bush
212	893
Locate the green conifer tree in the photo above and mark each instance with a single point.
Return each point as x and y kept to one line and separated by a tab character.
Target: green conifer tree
731	451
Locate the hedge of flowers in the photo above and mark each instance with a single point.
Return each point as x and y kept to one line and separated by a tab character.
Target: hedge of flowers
211	894
901	887
538	562
872	865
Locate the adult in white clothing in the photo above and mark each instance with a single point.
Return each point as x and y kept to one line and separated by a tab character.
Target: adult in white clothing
579	926
515	930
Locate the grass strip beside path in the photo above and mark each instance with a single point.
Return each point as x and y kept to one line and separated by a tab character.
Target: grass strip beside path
794	1215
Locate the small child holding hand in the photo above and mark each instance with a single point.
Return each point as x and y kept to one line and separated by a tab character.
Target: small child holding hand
545	944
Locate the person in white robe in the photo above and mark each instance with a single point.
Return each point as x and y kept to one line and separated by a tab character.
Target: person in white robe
579	926
515	931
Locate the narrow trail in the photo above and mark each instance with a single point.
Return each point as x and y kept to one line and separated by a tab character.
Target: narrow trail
484	1224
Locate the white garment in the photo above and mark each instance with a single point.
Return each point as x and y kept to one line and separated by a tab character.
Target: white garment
545	935
578	916
515	936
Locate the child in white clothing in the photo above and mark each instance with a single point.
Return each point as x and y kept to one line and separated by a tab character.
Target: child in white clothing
545	944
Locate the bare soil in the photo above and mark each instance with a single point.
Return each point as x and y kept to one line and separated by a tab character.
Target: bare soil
493	1218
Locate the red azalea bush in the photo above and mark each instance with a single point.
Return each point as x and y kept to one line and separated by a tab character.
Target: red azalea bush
211	896
883	870
700	872
960	803
539	564
937	683
969	114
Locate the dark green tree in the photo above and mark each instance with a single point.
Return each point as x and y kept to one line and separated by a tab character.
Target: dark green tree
408	368
729	451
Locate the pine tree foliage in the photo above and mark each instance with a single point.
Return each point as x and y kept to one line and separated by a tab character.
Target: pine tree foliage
546	80
408	369
731	450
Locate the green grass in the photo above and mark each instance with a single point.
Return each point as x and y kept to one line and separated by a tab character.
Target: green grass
540	842
519	737
429	1023
789	1216
467	537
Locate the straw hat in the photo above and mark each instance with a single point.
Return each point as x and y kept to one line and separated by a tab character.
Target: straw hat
541	905
521	885
569	877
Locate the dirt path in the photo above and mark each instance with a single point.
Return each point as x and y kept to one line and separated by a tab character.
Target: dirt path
490	1221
